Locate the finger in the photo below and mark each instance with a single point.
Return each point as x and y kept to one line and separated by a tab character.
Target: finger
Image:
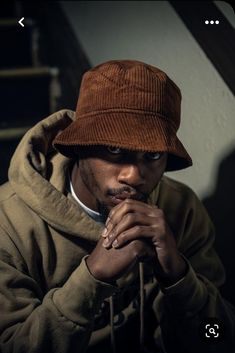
127	206
134	233
129	220
108	227
108	224
118	211
105	232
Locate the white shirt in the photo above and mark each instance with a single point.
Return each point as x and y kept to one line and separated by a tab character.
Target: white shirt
93	214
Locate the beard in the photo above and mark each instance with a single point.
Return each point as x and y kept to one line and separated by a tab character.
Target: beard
103	210
89	180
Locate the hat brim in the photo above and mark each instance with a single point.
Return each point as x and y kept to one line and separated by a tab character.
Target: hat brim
128	130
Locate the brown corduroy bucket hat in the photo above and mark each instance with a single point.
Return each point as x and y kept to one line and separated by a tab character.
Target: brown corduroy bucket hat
130	105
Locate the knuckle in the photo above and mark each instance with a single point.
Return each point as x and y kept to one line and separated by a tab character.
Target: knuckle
153	209
113	232
137	228
151	213
122	235
128	217
131	218
128	201
111	213
134	244
126	205
160	212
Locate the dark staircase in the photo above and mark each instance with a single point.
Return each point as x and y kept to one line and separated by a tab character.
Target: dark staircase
29	89
41	67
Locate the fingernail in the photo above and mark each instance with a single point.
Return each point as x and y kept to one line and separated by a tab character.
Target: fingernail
111	235
115	243
107	221
105	232
105	242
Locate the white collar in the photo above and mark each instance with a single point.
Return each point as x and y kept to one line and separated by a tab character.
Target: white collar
93	214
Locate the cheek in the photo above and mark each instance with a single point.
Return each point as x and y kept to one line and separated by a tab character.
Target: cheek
88	172
106	175
103	176
155	172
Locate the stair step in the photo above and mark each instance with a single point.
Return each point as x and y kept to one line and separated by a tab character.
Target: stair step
29	72
11	8
7	149
27	95
13	133
19	45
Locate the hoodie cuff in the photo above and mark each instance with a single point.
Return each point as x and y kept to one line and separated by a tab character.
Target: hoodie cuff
81	296
187	296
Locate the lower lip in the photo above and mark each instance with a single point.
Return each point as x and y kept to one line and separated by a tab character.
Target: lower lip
116	200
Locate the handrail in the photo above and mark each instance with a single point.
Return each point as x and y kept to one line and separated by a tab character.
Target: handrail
13	133
29	71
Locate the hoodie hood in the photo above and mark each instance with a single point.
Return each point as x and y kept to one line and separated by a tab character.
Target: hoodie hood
38	175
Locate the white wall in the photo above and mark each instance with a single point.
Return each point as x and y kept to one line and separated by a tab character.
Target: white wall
152	32
227	11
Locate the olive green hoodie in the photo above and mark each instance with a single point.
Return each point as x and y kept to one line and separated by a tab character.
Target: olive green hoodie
49	301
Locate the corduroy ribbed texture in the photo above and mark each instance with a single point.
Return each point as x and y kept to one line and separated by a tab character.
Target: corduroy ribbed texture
127	104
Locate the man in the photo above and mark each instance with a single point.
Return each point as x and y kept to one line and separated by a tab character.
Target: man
99	251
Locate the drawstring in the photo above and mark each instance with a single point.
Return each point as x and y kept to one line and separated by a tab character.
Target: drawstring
141	273
112	324
111	307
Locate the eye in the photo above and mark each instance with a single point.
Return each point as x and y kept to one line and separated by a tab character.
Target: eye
114	150
154	155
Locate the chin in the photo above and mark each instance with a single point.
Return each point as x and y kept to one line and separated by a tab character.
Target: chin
103	209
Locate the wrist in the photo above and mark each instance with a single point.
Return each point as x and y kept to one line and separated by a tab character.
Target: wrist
174	273
96	273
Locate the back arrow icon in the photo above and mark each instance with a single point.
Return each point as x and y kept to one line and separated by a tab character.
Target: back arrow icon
21	21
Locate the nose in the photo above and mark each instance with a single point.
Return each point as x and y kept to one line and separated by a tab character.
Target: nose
131	174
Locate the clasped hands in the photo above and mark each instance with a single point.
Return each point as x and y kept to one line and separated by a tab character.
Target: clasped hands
136	231
134	220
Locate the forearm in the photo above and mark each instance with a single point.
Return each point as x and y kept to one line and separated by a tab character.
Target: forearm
45	330
62	322
186	305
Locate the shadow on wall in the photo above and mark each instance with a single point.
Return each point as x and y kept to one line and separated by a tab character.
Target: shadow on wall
220	206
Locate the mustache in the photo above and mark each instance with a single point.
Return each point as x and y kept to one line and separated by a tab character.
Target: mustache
140	196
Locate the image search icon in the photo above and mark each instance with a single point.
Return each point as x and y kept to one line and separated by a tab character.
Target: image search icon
211	330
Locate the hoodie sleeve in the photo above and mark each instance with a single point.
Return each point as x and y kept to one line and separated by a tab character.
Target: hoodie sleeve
61	321
186	306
